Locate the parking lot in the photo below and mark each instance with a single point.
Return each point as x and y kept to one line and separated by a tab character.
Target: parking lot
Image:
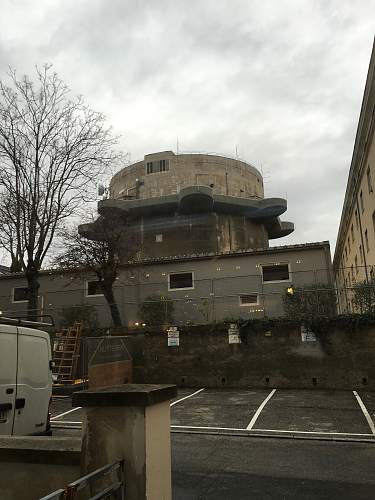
281	412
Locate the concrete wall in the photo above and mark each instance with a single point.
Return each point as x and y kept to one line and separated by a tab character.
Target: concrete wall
228	176
271	356
175	234
218	282
32	467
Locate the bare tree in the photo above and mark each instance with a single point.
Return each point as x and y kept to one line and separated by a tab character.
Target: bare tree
52	150
100	257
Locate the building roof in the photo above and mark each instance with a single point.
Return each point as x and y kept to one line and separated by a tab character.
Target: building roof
205	256
360	145
4	269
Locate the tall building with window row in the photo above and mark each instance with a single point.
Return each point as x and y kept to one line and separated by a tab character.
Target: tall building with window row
354	259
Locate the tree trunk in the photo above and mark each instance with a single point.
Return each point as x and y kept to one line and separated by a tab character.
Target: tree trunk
32	276
110	298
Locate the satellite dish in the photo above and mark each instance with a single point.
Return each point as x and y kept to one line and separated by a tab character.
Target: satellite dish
101	189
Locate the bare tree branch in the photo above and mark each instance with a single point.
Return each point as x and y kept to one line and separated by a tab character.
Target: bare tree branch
52	150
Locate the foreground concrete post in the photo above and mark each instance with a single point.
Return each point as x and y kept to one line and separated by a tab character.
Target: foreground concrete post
132	422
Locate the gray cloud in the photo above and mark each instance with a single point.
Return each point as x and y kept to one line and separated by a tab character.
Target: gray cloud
280	80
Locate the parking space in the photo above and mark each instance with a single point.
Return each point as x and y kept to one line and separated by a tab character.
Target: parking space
218	408
289	411
313	411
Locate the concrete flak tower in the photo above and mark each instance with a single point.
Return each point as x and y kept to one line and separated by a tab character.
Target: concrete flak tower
189	204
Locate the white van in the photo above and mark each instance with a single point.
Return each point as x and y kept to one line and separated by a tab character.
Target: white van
25	378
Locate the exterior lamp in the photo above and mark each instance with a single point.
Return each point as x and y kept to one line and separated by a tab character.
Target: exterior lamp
290	290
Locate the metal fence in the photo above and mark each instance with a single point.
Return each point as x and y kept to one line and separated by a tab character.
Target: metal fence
104	483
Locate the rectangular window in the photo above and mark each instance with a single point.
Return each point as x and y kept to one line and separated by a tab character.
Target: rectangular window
249	299
366	240
352	269
361	201
346	252
20	294
356	264
93	288
158	238
152	167
164	165
361	253
352	232
276	272
180	281
369	181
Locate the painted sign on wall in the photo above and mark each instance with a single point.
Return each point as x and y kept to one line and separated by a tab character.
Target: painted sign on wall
234	334
173	336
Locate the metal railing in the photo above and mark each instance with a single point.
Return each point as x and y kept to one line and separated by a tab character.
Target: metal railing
115	490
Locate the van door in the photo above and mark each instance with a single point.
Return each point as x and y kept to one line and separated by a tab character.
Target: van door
34	382
8	373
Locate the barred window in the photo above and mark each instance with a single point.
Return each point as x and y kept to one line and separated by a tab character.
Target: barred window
276	272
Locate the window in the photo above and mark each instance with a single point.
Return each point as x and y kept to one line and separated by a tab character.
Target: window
361	253
20	294
369	181
158	238
361	201
93	288
346	252
275	272
153	167
356	264
164	165
366	240
352	232
356	219
180	281
352	269
249	299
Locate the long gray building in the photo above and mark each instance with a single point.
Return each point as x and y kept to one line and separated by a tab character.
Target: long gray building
206	288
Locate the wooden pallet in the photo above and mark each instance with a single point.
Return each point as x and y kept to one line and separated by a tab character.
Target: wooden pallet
66	353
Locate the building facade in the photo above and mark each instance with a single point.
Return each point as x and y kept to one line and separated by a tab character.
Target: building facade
189	204
203	289
354	259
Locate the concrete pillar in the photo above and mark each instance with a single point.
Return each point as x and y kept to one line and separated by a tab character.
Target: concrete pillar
130	422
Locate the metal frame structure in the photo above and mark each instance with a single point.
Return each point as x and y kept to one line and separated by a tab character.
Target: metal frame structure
115	490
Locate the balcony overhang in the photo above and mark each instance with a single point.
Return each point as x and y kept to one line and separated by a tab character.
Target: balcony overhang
197	199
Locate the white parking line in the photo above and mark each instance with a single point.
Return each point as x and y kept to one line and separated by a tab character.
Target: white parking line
258	412
66	412
267	430
186	397
79	407
365	412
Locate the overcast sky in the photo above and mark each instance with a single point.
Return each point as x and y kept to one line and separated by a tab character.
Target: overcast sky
281	81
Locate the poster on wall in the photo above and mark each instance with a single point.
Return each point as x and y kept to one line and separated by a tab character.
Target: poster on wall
173	336
234	334
307	335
